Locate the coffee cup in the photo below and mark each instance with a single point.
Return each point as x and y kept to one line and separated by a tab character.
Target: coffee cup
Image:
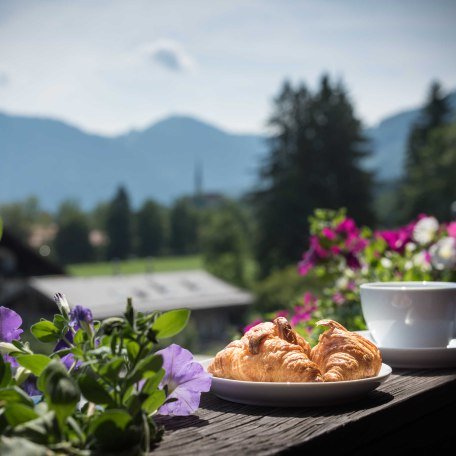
410	314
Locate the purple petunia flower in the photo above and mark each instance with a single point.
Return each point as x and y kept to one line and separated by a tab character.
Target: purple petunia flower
185	379
80	314
29	386
10	323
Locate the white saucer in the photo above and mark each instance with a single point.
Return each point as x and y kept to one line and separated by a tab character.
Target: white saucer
418	358
286	394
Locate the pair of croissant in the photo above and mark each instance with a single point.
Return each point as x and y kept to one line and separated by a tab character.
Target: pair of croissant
274	352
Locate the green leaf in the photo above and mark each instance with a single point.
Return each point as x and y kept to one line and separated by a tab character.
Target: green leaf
149	363
34	363
62	394
41	430
79	337
111	429
111	369
152	383
60	322
14	394
45	331
5	373
17	413
154	401
53	368
132	349
60	391
171	323
93	391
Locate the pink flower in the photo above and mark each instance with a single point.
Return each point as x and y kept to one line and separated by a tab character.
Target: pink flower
251	325
308	262
352	261
282	313
451	228
339	298
301	314
317	248
355	244
328	233
347	226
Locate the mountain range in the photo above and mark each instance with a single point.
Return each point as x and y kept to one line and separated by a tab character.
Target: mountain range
55	161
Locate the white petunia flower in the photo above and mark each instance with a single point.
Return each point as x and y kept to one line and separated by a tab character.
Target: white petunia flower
342	282
421	261
408	265
443	253
410	247
425	230
386	263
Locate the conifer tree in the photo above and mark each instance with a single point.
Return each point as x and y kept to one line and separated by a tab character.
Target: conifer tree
183	227
316	150
119	226
422	157
150	229
72	240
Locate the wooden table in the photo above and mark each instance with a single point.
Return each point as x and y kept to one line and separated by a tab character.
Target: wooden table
407	414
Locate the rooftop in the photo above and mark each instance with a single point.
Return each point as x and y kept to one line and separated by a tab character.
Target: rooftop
106	296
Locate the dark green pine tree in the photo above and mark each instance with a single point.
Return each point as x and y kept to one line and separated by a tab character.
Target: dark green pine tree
151	229
183	227
314	161
435	114
72	240
119	226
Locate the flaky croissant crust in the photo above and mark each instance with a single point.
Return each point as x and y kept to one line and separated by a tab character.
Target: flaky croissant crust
269	352
344	355
274	352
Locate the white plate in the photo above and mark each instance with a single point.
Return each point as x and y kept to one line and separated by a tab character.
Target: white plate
284	394
418	358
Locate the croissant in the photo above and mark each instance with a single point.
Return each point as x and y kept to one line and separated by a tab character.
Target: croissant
344	355
269	352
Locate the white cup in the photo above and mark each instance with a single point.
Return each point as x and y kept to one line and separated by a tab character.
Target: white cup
410	314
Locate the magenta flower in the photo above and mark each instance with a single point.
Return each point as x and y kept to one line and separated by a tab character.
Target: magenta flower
328	233
10	323
339	298
185	380
451	228
355	244
309	301
347	226
352	261
282	313
317	248
300	316
251	325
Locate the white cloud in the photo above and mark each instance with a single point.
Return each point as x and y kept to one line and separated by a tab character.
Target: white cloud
169	54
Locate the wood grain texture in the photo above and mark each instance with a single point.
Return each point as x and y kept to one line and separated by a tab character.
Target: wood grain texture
221	427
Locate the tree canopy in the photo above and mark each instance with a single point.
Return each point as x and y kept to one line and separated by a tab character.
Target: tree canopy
316	149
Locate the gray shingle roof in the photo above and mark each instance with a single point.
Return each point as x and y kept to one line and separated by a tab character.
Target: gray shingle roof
107	295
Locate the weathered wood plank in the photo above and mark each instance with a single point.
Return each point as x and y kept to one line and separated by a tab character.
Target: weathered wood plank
222	427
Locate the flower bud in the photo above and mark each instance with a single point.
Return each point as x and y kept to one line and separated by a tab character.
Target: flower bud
6	348
62	303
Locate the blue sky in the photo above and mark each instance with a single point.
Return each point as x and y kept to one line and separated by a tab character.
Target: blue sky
109	66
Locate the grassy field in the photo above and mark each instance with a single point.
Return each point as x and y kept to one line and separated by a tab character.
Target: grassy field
136	266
